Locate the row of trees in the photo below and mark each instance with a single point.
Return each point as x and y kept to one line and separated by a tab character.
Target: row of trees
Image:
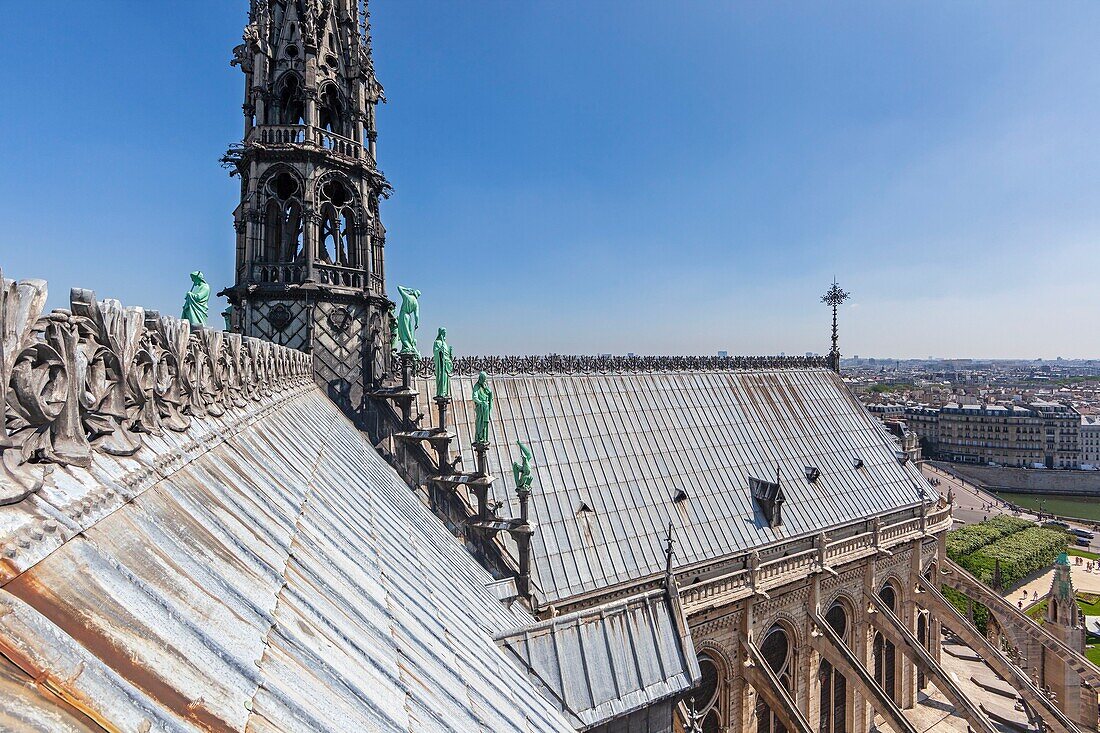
1010	547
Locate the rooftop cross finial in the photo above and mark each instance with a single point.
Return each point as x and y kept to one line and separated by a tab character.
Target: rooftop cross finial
834	297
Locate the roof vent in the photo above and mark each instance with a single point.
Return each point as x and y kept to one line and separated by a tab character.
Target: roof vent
857	463
813	473
681	495
769	497
584	509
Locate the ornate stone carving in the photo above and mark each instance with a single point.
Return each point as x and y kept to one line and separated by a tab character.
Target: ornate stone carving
560	364
99	376
110	339
20	306
339	319
279	316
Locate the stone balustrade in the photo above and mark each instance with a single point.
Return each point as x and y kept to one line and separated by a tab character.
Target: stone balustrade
306	135
99	377
338	275
789	568
280	134
339	144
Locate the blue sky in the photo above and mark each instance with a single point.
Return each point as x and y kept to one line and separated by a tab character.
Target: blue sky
610	176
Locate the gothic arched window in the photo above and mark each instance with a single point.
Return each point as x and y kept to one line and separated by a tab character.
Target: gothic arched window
922	637
778	655
331	110
885	653
289	108
283	230
338	243
703	704
832	685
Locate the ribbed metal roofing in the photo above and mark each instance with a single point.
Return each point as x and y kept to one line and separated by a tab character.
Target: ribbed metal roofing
609	661
272	574
619	456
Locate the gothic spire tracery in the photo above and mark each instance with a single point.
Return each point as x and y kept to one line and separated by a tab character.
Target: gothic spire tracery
309	233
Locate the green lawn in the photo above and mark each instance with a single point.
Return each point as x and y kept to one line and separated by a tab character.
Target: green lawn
1083	553
1038	612
1089	604
1093	653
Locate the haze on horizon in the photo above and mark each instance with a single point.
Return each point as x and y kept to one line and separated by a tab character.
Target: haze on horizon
644	176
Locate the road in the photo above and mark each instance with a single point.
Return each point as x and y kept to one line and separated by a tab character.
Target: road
972	505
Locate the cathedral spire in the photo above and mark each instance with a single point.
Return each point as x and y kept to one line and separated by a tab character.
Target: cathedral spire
310	264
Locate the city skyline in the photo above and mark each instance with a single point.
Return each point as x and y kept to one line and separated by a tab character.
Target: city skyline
624	179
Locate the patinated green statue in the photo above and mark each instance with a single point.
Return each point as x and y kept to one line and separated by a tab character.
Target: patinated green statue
483	401
522	471
227	314
196	304
396	343
408	320
444	364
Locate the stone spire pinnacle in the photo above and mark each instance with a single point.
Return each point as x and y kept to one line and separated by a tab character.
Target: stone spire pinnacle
310	259
1062	608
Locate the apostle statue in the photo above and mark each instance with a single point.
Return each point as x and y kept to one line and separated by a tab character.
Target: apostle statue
408	320
443	357
395	345
483	402
196	304
522	471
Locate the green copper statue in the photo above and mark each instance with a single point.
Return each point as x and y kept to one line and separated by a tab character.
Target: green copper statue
408	320
444	364
522	471
396	343
483	401
196	304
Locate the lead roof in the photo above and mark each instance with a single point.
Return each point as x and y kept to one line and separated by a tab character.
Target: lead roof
614	451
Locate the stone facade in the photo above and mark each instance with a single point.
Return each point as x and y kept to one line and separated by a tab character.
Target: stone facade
783	627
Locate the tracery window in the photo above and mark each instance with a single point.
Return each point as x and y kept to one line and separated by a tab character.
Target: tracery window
922	637
282	225
289	107
331	110
831	683
703	704
885	654
338	243
778	655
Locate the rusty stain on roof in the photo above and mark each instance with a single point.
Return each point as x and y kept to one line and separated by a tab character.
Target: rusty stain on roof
271	574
